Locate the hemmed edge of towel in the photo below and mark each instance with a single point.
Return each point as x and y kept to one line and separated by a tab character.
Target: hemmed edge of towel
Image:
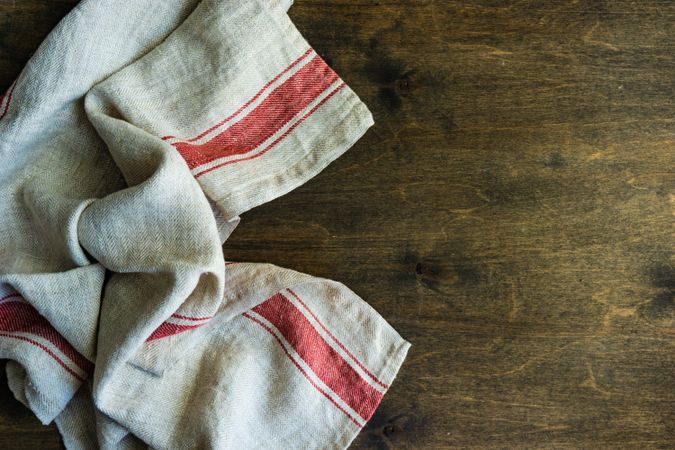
325	135
389	372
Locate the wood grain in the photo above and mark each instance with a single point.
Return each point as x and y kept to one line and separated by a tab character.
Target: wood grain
511	214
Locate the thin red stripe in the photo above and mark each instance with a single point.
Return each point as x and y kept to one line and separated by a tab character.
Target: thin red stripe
169	329
247	104
312	382
22	317
9	100
338	343
46	350
266	119
324	361
10	296
2	100
280	138
179	316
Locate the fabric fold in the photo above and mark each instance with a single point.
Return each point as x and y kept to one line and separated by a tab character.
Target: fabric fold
305	368
134	139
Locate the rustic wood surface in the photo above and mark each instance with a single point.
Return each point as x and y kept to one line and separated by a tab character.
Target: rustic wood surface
512	214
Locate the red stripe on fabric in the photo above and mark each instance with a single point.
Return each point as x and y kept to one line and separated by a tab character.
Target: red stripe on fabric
10	296
338	343
280	138
22	317
179	316
312	382
9	100
247	104
167	329
266	119
324	361
46	350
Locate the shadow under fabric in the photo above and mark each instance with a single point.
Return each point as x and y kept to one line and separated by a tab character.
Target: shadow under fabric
130	144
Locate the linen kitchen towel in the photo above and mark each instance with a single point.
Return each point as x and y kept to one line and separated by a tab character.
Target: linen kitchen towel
129	145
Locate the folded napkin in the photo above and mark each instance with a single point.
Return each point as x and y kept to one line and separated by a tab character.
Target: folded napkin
129	145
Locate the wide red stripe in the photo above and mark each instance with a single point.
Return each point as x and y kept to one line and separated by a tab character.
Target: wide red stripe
169	329
248	103
312	382
279	139
324	361
22	317
266	119
338	343
46	350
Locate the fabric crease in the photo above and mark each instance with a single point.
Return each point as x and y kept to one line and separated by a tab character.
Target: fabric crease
131	143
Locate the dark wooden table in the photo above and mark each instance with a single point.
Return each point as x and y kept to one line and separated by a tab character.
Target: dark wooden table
512	214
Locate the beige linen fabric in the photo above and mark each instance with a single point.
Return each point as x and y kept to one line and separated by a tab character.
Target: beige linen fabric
129	146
